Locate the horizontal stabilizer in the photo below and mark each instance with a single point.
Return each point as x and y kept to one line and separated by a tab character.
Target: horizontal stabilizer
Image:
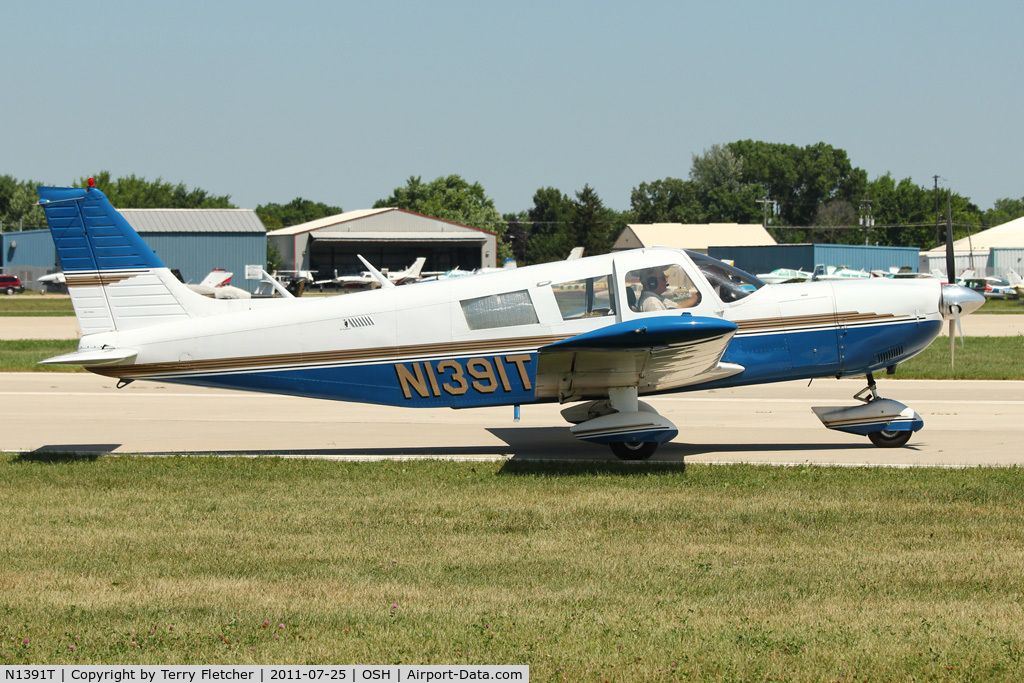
93	357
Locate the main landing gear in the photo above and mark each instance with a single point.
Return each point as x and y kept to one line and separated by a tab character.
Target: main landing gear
630	427
887	423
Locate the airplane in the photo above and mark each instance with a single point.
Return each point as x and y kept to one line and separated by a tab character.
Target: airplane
369	280
568	331
1016	282
822	272
781	275
217	285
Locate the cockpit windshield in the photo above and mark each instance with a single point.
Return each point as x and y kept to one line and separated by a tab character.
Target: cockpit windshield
729	282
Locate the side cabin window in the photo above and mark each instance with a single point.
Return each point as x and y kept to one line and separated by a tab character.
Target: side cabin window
499	310
586	298
660	288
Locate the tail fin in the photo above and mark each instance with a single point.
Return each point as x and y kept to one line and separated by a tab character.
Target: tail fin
115	280
417	266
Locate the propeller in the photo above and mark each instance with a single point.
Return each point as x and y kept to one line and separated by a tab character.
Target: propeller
955	320
950	278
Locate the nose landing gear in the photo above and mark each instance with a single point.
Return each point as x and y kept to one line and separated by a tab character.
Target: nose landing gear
887	423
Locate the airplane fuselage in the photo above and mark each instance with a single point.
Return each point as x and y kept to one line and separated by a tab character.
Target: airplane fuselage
479	340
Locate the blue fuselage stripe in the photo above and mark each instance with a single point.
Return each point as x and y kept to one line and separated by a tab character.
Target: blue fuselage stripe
508	379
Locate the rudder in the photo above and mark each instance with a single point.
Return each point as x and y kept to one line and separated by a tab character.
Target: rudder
115	280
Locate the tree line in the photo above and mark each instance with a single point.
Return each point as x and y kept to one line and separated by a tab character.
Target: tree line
803	194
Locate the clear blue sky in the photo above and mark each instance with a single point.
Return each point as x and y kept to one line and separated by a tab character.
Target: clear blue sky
341	102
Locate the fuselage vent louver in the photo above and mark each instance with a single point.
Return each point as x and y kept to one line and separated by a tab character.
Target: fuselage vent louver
358	321
890	354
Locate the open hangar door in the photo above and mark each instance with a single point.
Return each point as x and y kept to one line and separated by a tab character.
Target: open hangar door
327	256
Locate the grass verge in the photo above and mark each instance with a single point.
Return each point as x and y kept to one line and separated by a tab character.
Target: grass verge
23	355
979	358
31	304
607	572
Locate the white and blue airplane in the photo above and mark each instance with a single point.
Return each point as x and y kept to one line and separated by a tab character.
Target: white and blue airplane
597	332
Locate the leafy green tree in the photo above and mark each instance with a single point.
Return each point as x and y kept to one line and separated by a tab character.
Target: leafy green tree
19	205
517	235
295	212
591	224
724	194
671	200
832	221
450	198
133	192
800	179
549	221
1004	211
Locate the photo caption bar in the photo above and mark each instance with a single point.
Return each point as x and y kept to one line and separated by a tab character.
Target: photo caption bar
397	673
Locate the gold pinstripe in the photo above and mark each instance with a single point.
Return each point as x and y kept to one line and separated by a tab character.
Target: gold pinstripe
98	279
444	348
327	357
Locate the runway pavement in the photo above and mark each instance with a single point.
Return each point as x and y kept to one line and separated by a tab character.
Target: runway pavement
66	327
967	423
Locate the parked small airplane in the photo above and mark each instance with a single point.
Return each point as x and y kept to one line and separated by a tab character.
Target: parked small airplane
823	272
369	280
781	275
600	331
217	285
1016	282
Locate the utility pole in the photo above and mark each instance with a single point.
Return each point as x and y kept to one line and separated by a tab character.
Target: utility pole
866	219
765	202
938	238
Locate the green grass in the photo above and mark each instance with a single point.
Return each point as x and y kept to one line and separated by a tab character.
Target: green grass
1002	306
31	304
979	358
611	572
23	355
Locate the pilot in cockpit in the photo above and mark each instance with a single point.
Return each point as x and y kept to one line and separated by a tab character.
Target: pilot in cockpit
656	282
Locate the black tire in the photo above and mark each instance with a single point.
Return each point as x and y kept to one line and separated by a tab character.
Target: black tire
885	439
633	450
10	291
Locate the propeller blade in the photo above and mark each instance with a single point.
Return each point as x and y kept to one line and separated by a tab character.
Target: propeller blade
950	258
952	345
959	327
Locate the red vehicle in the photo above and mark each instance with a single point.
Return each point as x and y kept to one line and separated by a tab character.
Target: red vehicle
10	284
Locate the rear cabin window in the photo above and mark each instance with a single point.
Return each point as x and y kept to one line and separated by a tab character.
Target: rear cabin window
499	310
587	298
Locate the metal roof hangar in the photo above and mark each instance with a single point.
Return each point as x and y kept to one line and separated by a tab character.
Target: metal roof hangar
388	238
195	241
192	241
696	237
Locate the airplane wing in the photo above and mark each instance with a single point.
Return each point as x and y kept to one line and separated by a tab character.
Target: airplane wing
652	354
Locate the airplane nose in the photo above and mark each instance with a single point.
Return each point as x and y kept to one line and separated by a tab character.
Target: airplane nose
965	300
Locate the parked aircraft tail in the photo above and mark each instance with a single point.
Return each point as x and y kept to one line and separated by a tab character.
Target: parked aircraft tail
415	268
115	280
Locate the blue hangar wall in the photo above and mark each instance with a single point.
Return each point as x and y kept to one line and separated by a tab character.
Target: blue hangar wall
806	256
30	254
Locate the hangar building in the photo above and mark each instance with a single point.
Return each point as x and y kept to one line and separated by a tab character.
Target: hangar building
806	256
192	241
695	237
995	251
388	238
